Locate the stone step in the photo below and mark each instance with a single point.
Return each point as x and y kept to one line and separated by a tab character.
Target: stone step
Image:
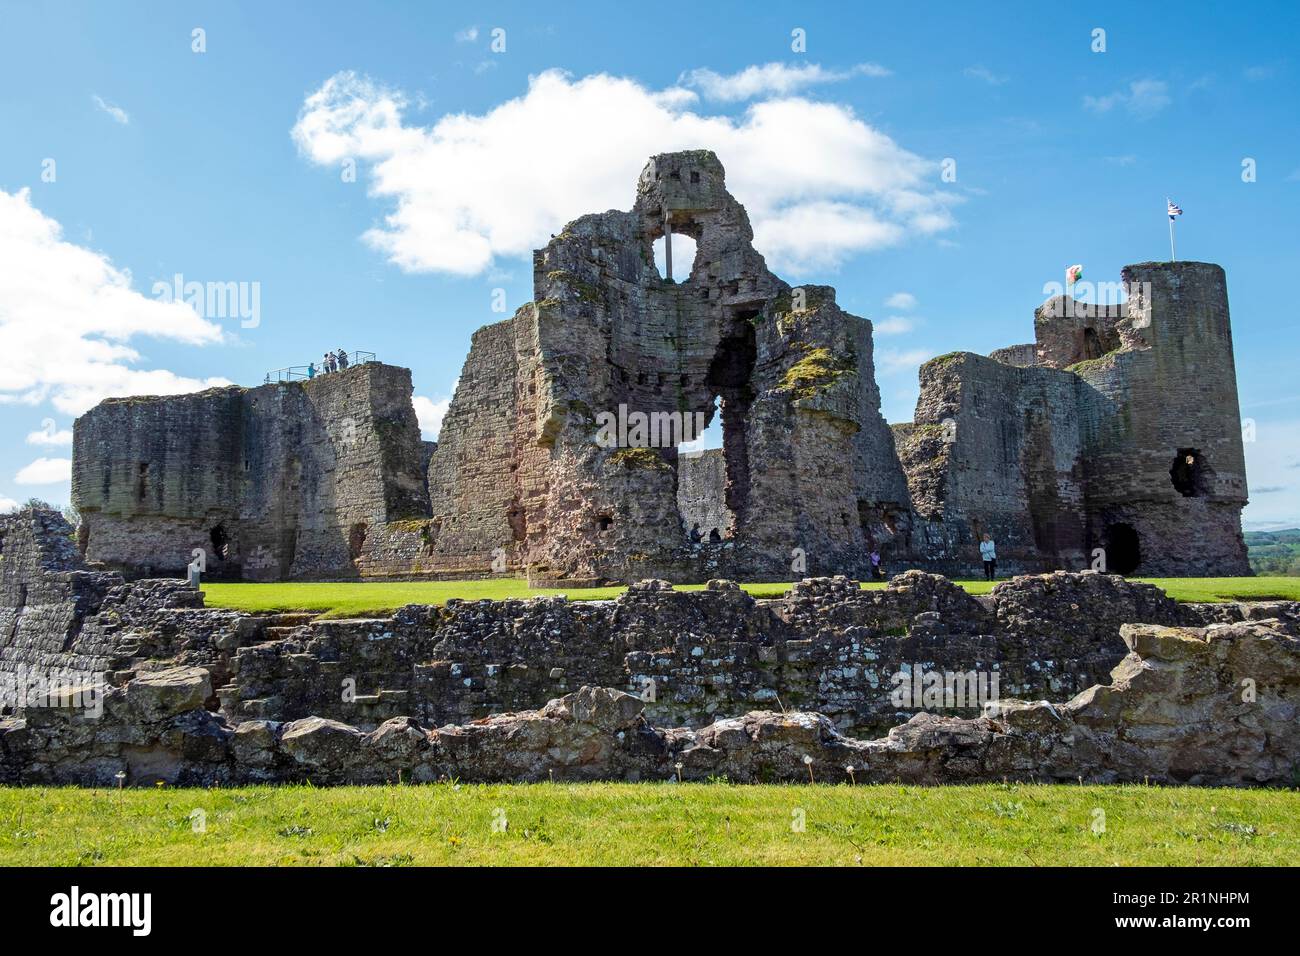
280	632
290	619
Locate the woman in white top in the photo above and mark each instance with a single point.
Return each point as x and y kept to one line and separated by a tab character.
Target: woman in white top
989	552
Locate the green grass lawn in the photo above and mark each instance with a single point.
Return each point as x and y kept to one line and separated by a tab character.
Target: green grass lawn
361	598
651	824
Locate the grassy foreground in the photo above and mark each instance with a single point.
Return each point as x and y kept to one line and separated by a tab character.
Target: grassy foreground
360	598
650	824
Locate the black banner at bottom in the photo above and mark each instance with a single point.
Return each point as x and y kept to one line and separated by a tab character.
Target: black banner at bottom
335	905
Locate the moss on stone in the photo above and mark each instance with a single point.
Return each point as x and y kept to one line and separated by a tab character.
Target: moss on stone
409	526
818	370
948	358
815	297
586	291
1104	361
638	458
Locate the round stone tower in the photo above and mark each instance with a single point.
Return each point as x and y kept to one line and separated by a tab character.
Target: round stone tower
1162	428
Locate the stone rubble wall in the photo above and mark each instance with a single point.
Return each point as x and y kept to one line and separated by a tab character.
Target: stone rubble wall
206	696
1175	712
828	646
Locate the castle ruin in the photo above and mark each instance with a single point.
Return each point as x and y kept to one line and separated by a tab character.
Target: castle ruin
1114	436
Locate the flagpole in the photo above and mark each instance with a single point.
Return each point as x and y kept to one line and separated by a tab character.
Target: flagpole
1172	257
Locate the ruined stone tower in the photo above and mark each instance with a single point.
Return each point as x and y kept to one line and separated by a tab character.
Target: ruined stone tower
1116	436
1112	441
1166	469
810	470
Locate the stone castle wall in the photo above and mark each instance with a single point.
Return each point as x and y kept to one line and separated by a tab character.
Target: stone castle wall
701	491
1111	441
284	480
996	449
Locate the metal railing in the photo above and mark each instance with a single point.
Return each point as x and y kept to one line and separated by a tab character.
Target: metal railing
302	373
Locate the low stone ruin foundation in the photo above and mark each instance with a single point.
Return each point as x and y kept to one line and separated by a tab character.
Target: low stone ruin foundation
1051	677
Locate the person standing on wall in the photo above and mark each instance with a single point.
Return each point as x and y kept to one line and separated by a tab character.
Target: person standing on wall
877	572
989	554
343	359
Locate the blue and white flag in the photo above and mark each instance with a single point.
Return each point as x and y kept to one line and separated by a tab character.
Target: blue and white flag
1173	210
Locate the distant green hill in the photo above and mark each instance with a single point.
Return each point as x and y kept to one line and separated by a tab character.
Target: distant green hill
1274	552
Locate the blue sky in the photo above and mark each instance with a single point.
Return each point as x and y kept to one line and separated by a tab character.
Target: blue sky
227	165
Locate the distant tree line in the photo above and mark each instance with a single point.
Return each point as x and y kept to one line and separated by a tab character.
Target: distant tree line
1274	552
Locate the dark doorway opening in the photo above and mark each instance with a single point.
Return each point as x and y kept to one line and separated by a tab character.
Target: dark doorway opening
220	542
729	377
1123	548
1188	473
357	540
1092	345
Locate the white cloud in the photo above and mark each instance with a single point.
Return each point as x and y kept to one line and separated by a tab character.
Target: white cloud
819	183
985	74
1143	99
901	300
119	115
895	361
430	413
468	35
50	434
68	315
45	471
894	325
7	505
771	79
